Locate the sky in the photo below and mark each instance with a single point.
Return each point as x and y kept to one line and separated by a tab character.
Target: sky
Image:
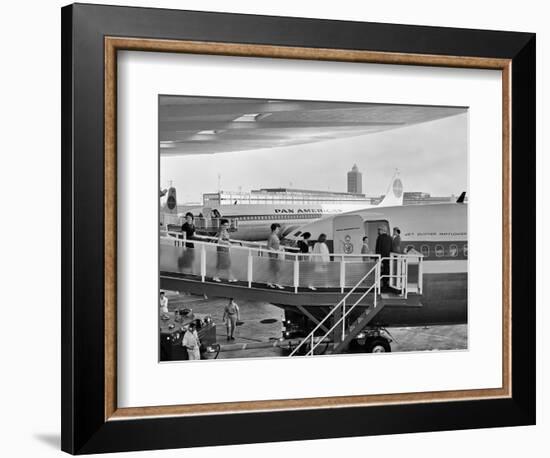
431	157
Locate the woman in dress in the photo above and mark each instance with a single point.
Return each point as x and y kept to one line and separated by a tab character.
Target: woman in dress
321	249
322	259
223	262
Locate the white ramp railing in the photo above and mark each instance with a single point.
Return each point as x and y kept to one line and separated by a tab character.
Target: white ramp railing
253	264
403	272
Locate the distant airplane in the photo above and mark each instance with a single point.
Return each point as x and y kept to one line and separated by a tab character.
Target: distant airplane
252	222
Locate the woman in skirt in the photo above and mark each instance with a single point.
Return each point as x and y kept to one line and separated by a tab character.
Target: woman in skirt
223	262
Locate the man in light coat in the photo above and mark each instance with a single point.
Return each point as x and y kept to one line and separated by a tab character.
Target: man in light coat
191	342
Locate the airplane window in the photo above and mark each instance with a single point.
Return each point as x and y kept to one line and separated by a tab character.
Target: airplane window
425	250
296	234
439	251
465	249
453	251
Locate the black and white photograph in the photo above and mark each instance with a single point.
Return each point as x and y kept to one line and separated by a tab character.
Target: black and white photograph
266	229
295	228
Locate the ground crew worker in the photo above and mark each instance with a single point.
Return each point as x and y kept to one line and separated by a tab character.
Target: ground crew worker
231	314
191	342
163	303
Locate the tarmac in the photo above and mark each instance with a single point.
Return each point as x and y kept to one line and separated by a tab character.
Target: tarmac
260	328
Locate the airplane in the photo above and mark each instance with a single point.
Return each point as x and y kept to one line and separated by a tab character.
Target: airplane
437	231
251	222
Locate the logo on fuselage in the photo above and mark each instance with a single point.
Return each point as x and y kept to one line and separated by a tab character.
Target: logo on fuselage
397	188
348	246
298	210
171	202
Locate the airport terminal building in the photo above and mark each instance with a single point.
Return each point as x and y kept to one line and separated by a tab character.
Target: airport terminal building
291	196
281	196
271	196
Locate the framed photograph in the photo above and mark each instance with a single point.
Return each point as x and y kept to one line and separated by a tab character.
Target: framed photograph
281	228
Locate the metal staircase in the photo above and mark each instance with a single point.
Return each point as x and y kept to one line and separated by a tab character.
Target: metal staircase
343	310
358	325
337	320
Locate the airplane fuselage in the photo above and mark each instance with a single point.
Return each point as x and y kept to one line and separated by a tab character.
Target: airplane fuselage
254	221
439	232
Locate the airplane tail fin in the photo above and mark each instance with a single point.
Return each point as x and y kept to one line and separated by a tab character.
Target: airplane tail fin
394	194
171	205
461	198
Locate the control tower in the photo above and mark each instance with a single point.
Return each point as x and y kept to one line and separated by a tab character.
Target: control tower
355	180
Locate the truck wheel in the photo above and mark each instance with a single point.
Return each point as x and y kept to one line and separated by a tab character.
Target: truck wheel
377	345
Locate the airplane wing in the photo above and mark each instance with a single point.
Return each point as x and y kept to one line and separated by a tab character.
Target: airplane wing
206	125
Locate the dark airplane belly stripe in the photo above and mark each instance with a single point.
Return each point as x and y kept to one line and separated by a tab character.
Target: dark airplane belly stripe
444	301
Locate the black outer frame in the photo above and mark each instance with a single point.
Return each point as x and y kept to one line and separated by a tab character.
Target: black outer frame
84	429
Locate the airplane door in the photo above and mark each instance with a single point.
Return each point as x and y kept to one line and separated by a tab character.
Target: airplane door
348	234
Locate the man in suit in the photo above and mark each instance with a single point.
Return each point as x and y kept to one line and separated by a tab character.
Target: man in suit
396	241
384	248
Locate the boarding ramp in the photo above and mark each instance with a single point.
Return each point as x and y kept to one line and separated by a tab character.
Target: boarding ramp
348	286
250	264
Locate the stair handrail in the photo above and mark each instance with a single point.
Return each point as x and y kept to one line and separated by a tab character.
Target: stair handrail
342	301
343	317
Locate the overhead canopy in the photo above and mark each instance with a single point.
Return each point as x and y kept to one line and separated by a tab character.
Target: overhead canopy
205	125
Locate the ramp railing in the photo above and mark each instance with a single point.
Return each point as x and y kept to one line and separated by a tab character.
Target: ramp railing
203	224
252	264
403	272
234	242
